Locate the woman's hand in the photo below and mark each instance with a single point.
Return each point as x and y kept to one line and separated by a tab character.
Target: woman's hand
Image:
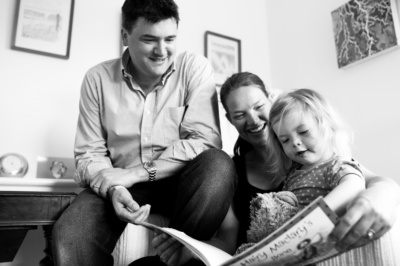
371	210
170	251
371	214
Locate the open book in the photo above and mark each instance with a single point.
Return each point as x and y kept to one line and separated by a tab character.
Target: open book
300	241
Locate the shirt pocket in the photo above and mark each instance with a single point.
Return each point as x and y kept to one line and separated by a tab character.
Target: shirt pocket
173	117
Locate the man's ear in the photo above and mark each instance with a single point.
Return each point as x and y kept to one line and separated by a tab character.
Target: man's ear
124	36
228	117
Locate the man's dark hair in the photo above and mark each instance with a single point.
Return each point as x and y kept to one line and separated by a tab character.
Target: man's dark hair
151	10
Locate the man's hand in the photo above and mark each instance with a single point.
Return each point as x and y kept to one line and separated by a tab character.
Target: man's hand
126	208
109	177
171	251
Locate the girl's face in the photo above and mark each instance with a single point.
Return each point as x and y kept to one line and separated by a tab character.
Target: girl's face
302	140
248	110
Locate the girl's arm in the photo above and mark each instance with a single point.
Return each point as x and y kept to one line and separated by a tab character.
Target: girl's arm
346	191
375	208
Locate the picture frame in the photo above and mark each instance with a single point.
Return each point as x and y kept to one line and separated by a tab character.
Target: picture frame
44	27
364	30
224	54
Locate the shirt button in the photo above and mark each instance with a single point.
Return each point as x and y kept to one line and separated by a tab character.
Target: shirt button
148	112
146	139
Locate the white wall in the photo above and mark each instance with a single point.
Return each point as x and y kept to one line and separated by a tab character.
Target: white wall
241	19
39	94
367	95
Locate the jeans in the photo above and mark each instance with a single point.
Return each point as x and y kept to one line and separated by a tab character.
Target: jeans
196	201
155	261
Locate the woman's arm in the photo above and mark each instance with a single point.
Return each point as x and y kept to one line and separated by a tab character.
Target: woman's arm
374	208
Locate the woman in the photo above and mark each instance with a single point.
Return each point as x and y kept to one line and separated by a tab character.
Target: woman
247	103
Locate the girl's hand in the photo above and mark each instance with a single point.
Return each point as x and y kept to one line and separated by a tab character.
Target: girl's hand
171	251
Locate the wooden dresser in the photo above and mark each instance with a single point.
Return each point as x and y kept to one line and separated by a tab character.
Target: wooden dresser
21	211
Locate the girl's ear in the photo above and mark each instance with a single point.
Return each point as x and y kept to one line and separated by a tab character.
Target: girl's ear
228	117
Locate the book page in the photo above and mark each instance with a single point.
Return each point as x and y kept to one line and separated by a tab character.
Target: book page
209	254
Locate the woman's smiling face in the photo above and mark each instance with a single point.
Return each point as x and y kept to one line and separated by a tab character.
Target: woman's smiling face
248	109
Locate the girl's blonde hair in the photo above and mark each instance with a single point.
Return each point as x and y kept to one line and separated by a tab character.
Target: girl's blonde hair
310	102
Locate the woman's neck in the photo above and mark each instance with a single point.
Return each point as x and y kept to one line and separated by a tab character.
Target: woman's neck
260	153
258	170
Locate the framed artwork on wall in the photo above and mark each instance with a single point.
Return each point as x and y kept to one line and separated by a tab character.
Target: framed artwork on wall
224	54
364	29
44	27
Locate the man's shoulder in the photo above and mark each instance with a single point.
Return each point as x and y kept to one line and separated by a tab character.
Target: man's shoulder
107	66
190	58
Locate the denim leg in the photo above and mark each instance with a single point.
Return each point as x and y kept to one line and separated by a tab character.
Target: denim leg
155	261
206	188
87	231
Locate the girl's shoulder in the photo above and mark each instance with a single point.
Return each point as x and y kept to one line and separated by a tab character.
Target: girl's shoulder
342	166
340	162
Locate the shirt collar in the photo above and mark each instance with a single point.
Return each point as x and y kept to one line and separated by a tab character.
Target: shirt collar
126	59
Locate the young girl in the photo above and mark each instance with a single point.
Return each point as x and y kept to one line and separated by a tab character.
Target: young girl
312	145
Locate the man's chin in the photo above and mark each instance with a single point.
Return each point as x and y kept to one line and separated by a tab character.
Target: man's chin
159	70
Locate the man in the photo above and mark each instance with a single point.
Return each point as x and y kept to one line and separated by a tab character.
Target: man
148	134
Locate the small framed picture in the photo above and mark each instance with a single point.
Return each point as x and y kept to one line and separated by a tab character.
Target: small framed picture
224	53
44	27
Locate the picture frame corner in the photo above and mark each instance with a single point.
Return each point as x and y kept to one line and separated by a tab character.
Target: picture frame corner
224	54
35	11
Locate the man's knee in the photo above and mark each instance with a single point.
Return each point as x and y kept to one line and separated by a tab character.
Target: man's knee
218	170
75	222
65	230
216	157
219	162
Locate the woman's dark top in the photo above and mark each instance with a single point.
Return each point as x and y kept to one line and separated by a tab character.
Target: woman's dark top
245	191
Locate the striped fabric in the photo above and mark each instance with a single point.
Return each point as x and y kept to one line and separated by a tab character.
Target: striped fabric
384	251
135	242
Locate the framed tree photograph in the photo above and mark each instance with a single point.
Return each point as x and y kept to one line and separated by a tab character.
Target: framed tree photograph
224	54
44	27
364	29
